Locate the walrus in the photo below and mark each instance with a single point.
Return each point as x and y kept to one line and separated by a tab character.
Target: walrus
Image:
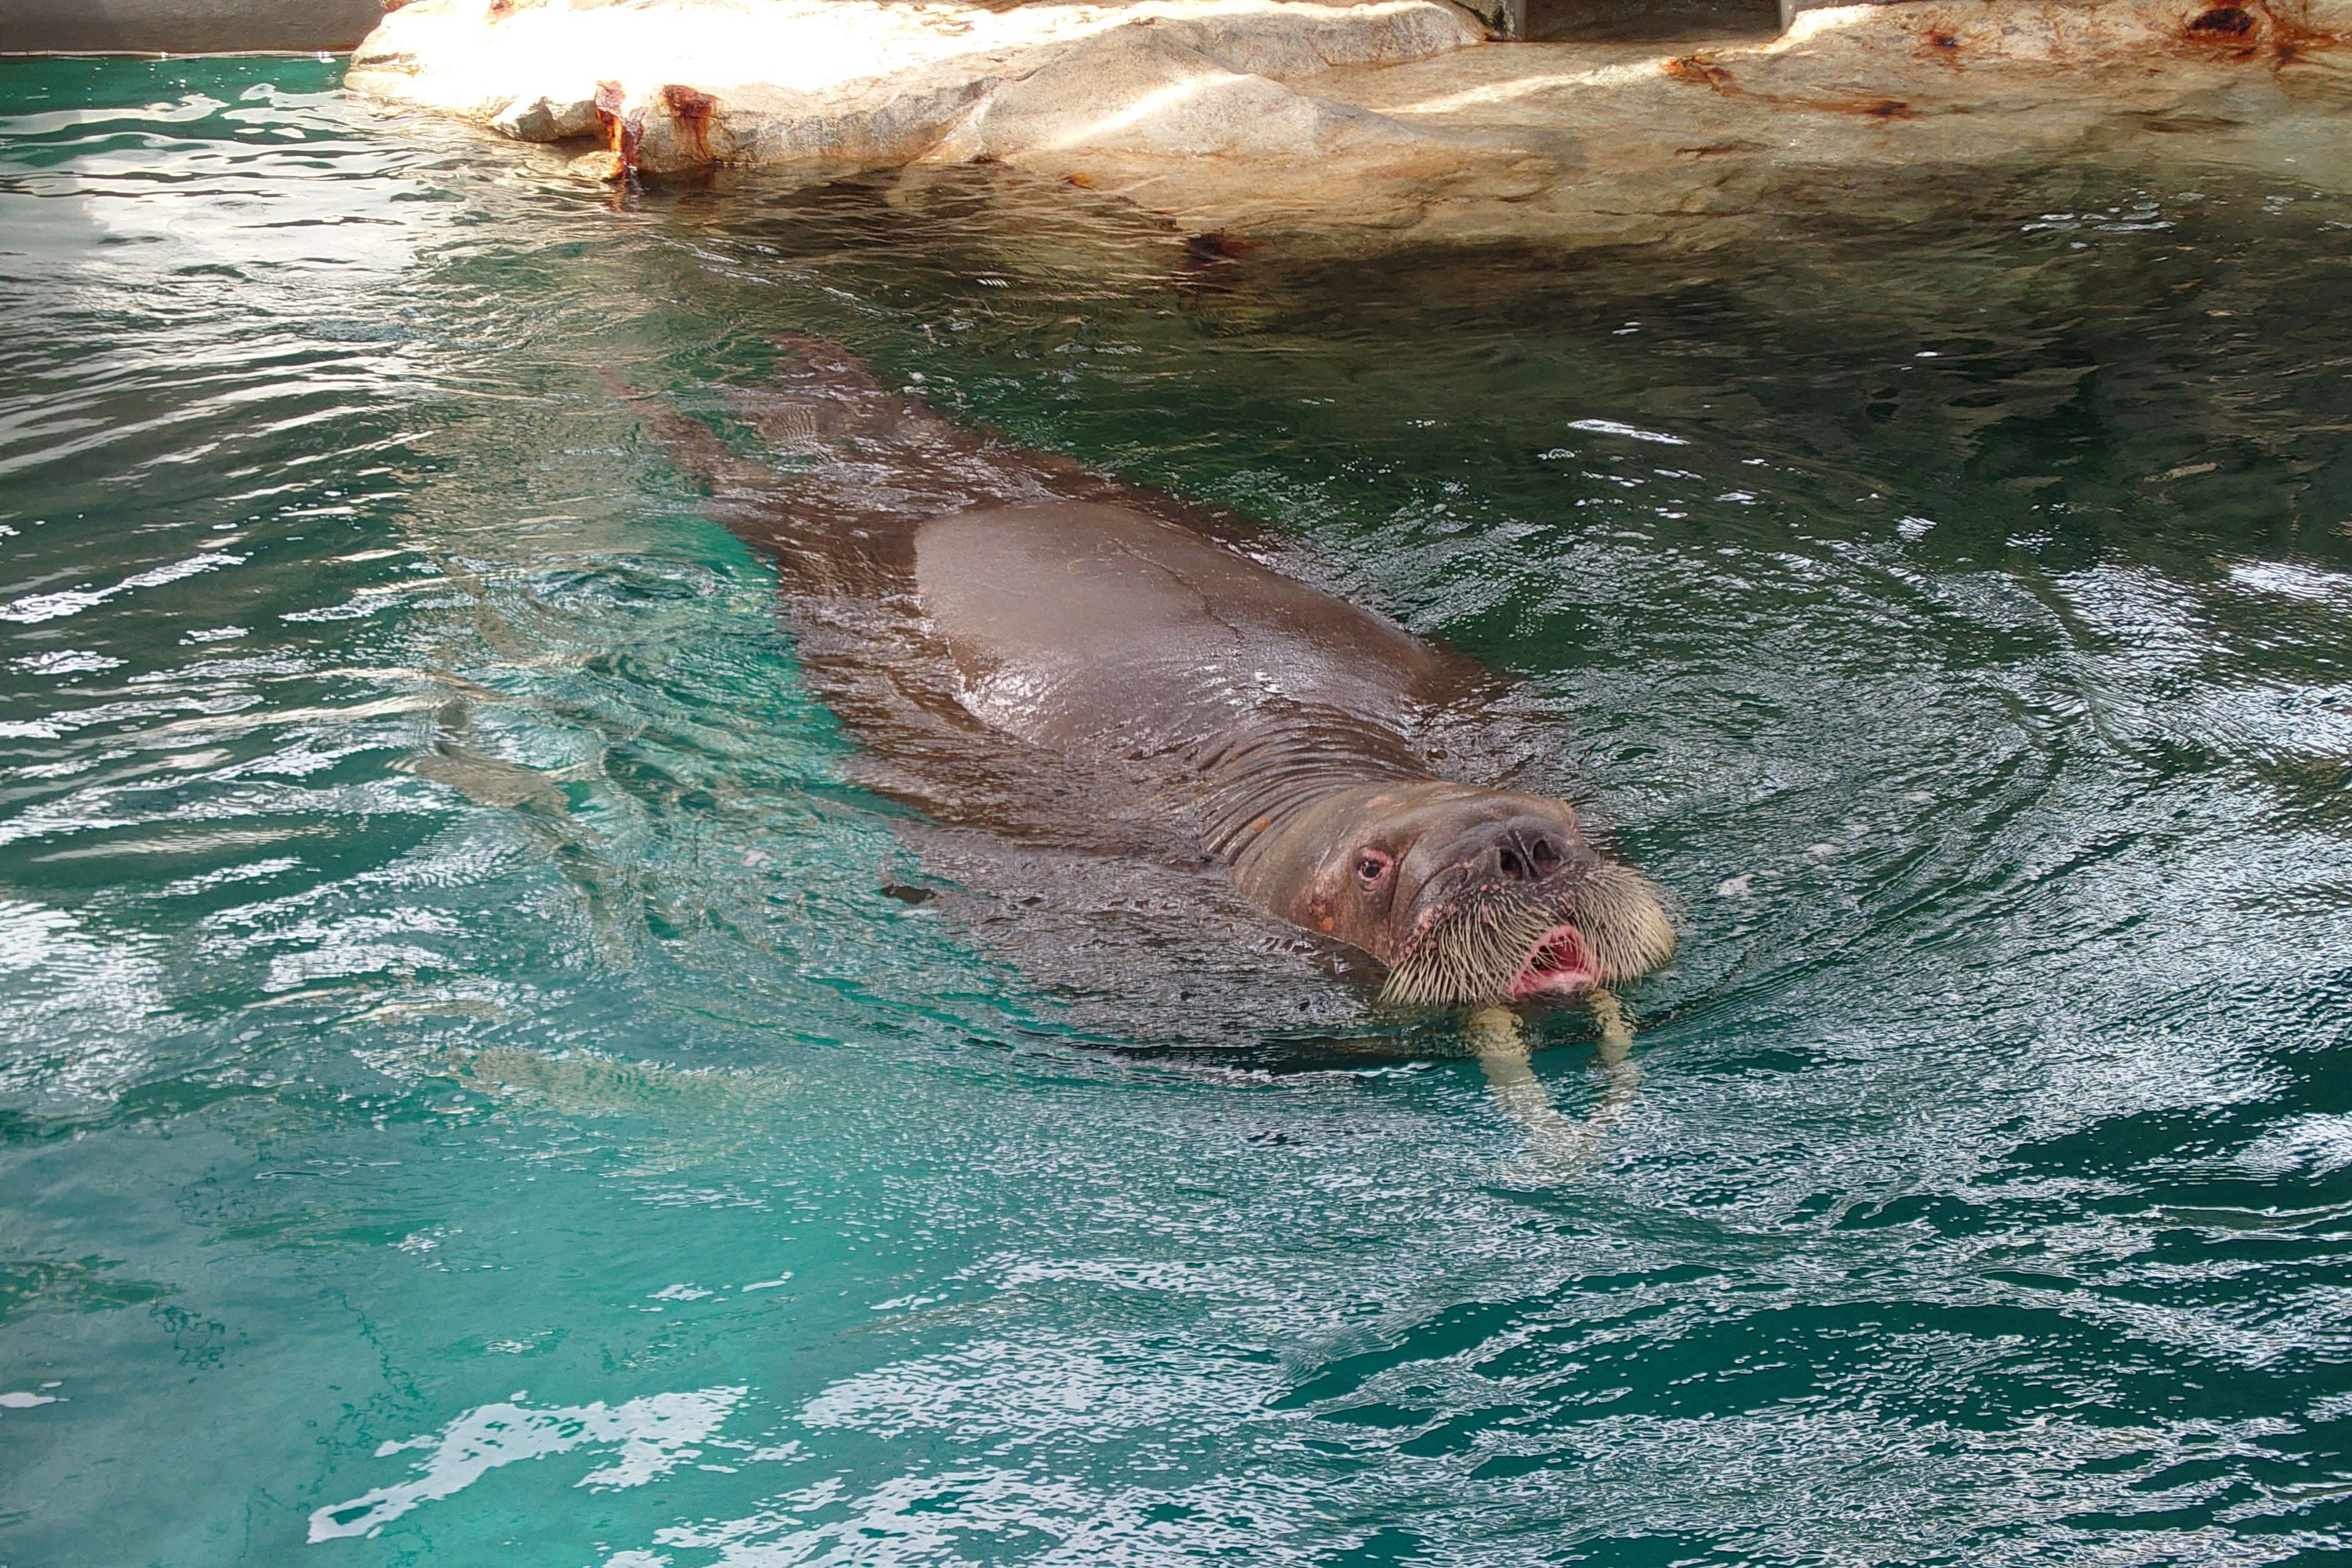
981	616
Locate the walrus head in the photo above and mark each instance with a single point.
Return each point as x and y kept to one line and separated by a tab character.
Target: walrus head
1469	896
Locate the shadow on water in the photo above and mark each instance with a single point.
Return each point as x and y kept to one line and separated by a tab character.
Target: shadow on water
483	1082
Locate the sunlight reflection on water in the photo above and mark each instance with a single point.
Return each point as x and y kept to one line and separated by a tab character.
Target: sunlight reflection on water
456	1008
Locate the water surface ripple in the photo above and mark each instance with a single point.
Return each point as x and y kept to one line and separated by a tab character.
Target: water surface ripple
481	1082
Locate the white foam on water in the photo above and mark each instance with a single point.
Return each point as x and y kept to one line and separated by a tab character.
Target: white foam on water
652	1437
32	608
1612	427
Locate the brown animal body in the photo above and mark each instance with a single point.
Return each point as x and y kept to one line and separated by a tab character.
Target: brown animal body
1035	650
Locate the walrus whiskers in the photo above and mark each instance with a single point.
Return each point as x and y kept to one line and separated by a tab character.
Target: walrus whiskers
1474	952
1472	956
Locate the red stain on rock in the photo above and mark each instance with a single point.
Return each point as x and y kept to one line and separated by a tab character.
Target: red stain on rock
2248	31
691	110
624	133
1217	245
2291	40
1702	73
1715	78
2223	21
2230	28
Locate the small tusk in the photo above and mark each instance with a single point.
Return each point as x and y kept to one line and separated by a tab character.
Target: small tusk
1615	1053
1556	1145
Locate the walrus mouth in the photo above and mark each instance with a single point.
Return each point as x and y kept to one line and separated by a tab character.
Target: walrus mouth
1508	943
1561	965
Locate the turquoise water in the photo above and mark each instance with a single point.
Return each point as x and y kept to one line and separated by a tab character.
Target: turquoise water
468	1098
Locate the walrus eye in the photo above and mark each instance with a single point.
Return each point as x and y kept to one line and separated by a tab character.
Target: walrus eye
1372	866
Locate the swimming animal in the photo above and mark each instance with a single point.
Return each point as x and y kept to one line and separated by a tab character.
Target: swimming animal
1041	651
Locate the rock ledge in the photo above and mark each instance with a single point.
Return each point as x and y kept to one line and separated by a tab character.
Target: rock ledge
840	86
1393	116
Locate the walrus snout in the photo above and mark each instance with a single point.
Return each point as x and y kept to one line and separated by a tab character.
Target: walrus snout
1512	904
1523	850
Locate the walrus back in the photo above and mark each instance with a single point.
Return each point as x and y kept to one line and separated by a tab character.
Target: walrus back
1098	628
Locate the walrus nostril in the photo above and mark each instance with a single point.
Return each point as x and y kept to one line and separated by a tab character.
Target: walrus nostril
1545	854
1528	857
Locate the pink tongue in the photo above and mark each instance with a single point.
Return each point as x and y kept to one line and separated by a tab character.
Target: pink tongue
1557	969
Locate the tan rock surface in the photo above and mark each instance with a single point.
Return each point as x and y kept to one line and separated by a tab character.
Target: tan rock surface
1642	142
841	85
1390	117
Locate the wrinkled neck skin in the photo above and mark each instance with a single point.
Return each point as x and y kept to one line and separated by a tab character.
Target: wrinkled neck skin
1278	797
1255	777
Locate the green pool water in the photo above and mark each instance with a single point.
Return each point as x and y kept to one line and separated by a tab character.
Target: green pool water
466	1096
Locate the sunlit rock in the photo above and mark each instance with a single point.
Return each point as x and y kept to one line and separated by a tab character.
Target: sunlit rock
838	84
1390	115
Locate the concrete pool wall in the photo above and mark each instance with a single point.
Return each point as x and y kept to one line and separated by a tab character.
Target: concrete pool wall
184	26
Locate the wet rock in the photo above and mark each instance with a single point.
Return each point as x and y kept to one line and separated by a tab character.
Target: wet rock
836	85
544	119
1394	116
